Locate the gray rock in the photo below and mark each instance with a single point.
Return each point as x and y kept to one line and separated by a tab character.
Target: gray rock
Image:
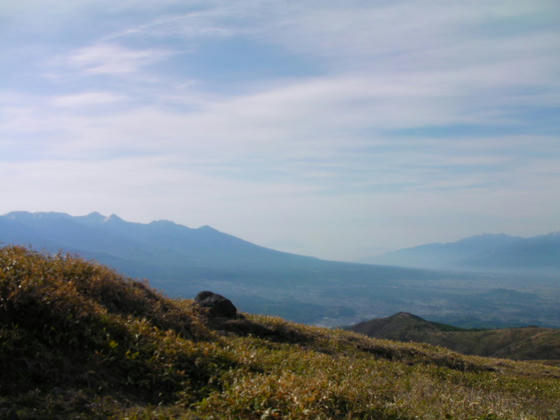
216	305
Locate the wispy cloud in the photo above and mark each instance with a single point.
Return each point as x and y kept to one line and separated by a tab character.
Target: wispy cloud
114	59
190	26
86	99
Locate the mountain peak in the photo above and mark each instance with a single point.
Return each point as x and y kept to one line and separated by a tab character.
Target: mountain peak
113	218
405	315
399	326
95	216
17	214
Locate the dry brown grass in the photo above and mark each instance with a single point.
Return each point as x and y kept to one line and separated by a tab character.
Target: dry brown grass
79	341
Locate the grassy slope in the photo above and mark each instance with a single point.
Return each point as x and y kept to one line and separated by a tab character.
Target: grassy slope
530	343
79	341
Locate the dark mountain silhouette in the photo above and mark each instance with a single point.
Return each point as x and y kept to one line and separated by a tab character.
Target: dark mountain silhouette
528	343
400	326
494	252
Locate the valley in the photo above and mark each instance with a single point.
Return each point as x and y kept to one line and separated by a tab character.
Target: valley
182	261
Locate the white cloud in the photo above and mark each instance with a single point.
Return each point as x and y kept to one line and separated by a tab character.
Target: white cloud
316	154
114	59
86	99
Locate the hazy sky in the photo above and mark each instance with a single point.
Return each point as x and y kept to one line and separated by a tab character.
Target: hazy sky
328	128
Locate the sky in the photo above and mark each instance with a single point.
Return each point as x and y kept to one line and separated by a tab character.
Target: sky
337	129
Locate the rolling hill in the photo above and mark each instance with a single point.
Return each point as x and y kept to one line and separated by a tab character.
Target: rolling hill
529	343
81	341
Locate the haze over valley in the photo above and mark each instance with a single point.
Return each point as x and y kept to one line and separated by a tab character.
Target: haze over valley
181	261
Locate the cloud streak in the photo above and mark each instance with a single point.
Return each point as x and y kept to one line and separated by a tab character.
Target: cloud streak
86	99
114	59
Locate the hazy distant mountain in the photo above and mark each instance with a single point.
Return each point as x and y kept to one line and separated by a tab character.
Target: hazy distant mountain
183	261
515	343
536	253
159	244
483	252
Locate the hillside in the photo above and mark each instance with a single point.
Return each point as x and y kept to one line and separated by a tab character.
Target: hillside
182	261
496	252
80	341
529	343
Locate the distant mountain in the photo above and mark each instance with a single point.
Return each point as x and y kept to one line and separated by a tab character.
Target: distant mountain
529	343
173	256
495	252
183	261
159	242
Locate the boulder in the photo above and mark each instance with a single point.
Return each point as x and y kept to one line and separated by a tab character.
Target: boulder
216	305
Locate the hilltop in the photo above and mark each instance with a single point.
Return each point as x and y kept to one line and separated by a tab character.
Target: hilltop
81	341
529	343
401	326
182	261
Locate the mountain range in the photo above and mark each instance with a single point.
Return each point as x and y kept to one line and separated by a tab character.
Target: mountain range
488	252
181	261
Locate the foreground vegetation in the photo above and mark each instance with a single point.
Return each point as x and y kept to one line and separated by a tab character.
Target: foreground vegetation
77	340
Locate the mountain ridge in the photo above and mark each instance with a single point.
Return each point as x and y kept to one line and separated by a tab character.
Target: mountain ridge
485	252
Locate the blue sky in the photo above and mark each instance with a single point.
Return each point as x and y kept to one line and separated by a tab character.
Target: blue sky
334	129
